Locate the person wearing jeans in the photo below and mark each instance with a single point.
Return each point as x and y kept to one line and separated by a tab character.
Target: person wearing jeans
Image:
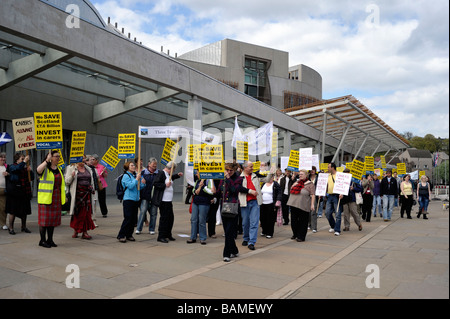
332	203
423	195
388	190
376	196
250	199
146	198
203	195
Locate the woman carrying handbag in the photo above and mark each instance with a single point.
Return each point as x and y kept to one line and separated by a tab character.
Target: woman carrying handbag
229	189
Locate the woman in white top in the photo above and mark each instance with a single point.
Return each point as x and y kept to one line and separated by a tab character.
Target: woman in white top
271	196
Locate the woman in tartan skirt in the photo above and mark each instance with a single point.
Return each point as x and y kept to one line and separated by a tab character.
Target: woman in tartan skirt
51	196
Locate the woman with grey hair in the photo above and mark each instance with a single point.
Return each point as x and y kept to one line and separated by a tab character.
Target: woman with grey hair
162	198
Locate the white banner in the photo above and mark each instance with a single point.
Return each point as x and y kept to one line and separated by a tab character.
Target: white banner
174	132
259	140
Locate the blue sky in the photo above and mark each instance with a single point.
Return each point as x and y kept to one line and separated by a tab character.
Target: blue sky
391	55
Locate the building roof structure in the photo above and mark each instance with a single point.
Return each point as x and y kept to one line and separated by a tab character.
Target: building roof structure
106	82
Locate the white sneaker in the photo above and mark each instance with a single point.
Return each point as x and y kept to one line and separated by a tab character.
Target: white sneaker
137	232
268	236
314	231
5	227
234	255
152	233
337	233
226	259
331	230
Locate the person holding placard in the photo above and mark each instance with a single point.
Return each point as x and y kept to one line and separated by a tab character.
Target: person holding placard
51	196
301	200
332	202
18	192
163	196
147	204
131	197
349	205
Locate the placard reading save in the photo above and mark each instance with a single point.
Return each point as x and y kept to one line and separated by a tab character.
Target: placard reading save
48	128
211	165
127	145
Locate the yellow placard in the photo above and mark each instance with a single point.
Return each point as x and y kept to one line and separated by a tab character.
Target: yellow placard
324	167
77	146
293	162
241	152
48	130
127	145
169	152
421	173
111	158
383	161
274	153
357	170
256	166
369	163
401	169
212	166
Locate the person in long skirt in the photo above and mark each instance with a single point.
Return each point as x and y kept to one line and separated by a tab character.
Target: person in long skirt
81	181
51	196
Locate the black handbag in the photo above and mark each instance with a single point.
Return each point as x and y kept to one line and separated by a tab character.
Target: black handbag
229	210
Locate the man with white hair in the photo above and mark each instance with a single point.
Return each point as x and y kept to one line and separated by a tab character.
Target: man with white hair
250	201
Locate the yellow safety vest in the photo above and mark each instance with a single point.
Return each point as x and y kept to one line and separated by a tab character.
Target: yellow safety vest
45	188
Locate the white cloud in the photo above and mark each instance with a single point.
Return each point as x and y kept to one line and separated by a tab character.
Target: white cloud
400	64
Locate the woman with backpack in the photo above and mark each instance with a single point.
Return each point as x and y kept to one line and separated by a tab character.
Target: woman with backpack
130	181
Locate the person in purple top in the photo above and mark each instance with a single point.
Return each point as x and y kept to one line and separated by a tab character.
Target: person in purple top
376	197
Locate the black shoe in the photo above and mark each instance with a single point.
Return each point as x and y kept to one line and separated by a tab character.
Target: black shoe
51	243
44	244
163	240
191	241
251	247
244	243
12	232
26	230
171	238
131	238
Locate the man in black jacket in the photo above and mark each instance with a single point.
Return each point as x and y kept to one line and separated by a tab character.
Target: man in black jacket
388	191
285	184
162	198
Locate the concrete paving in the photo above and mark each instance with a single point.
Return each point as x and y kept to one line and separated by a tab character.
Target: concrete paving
410	257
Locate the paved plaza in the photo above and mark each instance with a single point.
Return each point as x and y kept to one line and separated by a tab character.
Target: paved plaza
410	257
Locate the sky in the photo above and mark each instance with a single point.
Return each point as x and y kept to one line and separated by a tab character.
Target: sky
392	55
